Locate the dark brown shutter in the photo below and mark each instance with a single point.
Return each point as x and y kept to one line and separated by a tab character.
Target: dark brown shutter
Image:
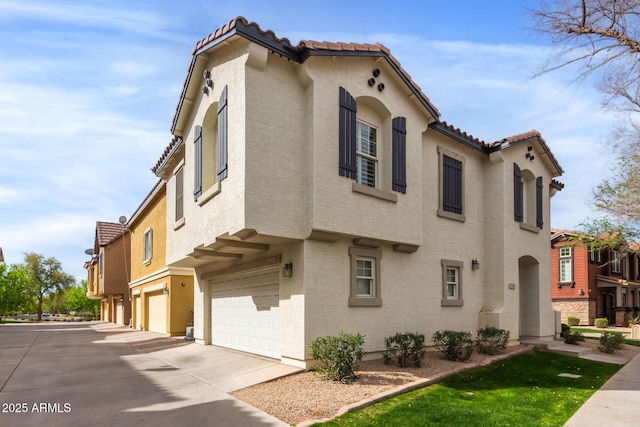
399	156
221	167
347	135
518	202
197	163
539	188
451	185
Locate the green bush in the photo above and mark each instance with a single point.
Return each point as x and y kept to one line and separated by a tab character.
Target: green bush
492	340
405	349
573	321
573	337
454	345
601	322
338	357
611	341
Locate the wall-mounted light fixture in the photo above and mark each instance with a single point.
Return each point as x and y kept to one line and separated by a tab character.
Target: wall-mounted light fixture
580	292
475	265
287	270
165	291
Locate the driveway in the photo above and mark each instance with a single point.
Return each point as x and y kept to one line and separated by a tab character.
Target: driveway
84	373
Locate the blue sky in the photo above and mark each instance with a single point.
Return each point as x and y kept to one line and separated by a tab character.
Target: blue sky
88	90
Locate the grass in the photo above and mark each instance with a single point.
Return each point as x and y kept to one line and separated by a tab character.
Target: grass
521	391
600	331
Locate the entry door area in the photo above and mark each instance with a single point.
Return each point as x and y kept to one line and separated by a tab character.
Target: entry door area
119	312
138	306
245	312
157	312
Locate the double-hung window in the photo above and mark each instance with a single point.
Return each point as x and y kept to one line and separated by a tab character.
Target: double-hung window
615	261
148	245
179	194
566	269
365	277
366	154
452	283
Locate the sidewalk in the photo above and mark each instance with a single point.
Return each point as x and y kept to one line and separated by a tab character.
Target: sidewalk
616	403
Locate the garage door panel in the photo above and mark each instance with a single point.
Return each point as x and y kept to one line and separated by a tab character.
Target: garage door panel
157	312
245	312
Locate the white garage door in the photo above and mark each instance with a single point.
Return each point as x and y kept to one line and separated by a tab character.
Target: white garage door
245	312
157	312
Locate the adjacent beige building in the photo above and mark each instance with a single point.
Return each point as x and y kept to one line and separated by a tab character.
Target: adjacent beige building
313	189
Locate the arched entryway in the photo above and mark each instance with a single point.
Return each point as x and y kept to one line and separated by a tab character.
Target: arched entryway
529	287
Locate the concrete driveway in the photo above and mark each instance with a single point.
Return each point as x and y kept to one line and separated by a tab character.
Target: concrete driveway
84	373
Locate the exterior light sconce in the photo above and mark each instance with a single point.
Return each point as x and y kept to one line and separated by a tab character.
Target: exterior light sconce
580	292
475	265
287	270
165	291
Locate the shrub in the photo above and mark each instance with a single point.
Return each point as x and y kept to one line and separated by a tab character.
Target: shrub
565	329
454	345
405	348
339	356
611	341
601	322
573	321
573	337
491	340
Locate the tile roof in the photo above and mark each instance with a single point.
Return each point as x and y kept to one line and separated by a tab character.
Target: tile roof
166	154
107	232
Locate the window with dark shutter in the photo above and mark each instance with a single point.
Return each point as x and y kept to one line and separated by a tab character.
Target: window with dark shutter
518	199
197	163
399	146
221	167
539	220
179	194
451	185
347	135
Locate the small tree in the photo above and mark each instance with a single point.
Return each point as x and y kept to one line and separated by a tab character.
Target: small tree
44	276
14	295
75	298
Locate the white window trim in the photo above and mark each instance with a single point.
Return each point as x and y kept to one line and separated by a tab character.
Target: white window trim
147	245
615	261
371	278
564	258
376	159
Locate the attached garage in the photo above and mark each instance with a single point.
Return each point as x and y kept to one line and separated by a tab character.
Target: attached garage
245	312
157	312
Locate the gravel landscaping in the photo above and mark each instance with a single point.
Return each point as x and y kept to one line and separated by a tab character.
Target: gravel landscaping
308	396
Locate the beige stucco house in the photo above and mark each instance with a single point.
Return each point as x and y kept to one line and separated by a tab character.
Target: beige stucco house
314	189
162	296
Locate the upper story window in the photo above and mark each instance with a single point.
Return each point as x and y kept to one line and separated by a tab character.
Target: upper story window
372	146
566	264
451	179
615	261
148	245
366	154
210	150
179	213
594	255
100	264
527	198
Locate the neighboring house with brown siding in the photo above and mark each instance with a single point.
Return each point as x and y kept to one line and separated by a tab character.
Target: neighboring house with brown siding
108	272
589	284
314	189
162	296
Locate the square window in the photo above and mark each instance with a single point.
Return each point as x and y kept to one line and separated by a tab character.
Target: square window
565	251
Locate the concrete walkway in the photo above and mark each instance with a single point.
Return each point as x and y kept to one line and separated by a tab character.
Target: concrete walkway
83	373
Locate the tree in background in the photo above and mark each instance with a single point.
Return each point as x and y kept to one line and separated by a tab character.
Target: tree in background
75	298
44	276
604	36
14	295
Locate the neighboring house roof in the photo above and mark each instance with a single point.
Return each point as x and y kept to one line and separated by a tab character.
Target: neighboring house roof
107	232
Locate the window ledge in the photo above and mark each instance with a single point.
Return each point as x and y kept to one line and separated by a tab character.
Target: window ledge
212	192
147	261
365	302
374	192
451	215
452	303
179	223
531	228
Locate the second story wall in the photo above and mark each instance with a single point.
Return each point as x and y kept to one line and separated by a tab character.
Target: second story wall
148	236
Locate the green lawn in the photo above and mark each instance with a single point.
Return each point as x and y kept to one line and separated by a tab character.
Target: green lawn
521	391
